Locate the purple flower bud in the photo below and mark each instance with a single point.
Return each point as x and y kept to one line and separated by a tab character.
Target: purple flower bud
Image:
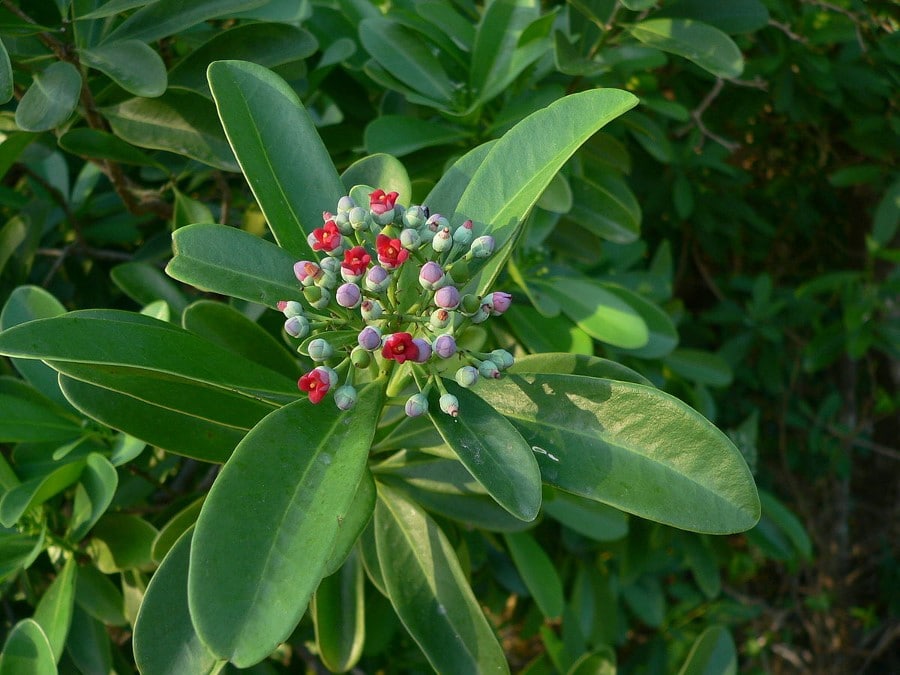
502	358
466	376
307	272
442	240
424	349
369	338
410	239
431	275
445	346
344	205
319	350
440	319
483	246
370	310
297	326
500	302
348	295
463	233
447	297
291	308
449	404
416	405
488	369
345	397
436	222
377	279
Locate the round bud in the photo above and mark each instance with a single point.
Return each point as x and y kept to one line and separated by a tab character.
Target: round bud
442	241
369	338
502	358
359	357
410	239
424	349
345	397
436	222
445	346
377	279
370	310
463	233
319	350
466	376
297	326
489	369
348	295
359	218
414	217
416	405
291	308
431	275
470	304
440	319
447	297
449	404
483	246
344	204
318	298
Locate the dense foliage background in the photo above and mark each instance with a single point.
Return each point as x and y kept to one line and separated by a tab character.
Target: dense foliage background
747	210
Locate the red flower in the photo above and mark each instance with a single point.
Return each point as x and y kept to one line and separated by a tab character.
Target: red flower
326	238
379	202
391	253
317	382
356	260
399	347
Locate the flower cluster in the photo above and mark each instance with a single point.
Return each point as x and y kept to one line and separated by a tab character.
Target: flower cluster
362	307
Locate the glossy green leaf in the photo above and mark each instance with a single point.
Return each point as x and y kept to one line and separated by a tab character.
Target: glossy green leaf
445	18
29	416
662	336
27	650
381	171
705	45
89	645
224	325
557	198
266	44
577	364
270	522
368	554
171	532
429	590
734	16
54	611
632	447
131	64
26	303
398	135
338	612
144	284
592	519
17	552
12	235
6	76
518	167
606	206
598	312
700	366
102	145
179	121
233	262
50	99
538	573
99	597
446	193
406	56
96	491
541	334
162	18
269	130
492	451
713	653
475	509
165	640
496	39
351	526
121	541
36	491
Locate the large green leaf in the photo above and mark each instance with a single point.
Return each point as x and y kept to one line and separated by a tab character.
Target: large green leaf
28	416
518	167
121	541
179	121
54	611
131	64
577	364
102	145
705	45
353	523
400	135
630	446
50	99
381	171
167	17
605	206
144	284
538	573
233	262
27	650
267	528
429	590
405	54
734	16
268	44
597	311
279	150
662	336
713	653
493	452
165	640
446	193
338	612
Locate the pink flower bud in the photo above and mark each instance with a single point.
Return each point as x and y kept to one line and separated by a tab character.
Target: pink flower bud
348	295
447	297
369	338
499	302
431	275
424	350
445	346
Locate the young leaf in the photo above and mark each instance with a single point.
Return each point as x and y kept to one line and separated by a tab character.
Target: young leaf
630	446
708	47
95	493
492	450
338	612
269	524
429	591
50	99
54	611
279	150
36	491
27	650
382	171
164	637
